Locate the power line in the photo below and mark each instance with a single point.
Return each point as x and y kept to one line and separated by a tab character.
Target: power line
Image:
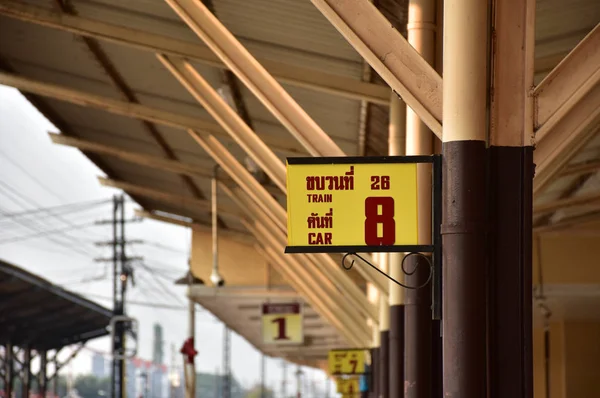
144	303
71	207
38	182
44	233
12	194
164	288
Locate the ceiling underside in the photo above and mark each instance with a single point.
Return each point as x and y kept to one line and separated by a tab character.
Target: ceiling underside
290	32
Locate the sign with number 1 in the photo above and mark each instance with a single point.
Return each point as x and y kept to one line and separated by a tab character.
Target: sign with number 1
346	204
282	323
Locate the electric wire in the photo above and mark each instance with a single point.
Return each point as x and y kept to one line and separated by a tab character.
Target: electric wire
33	178
68	209
161	284
14	196
46	233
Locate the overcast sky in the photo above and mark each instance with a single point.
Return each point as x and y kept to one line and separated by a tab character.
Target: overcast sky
34	173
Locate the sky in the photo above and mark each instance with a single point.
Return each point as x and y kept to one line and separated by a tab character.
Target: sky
58	245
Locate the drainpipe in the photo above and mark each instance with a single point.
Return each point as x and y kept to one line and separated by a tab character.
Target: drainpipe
397	141
384	331
419	141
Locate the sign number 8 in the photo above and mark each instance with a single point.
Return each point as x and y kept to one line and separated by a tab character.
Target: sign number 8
385	218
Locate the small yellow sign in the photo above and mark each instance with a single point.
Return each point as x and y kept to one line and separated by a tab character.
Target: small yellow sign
348	387
347	362
339	204
282	323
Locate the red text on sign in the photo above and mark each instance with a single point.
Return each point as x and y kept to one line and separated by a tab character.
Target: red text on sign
281	329
380	182
319	238
374	217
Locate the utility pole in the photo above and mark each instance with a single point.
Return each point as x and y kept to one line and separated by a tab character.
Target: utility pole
284	379
262	376
226	389
122	272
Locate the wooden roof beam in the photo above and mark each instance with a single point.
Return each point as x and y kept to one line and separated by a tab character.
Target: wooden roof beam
238	236
567	107
390	54
285	73
172	199
258	80
142	159
137	111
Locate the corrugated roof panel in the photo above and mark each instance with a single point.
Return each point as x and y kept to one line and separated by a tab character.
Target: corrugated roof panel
117	139
132	15
289	23
338	117
144	73
61	51
561	25
93	118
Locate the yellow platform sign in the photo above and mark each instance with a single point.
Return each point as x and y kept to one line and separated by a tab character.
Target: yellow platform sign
347	362
282	323
351	204
348	387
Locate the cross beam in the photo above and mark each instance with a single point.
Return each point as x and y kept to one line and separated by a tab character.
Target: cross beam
149	41
128	109
567	109
164	197
390	54
208	28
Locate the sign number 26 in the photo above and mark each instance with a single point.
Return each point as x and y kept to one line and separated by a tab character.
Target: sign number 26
380	210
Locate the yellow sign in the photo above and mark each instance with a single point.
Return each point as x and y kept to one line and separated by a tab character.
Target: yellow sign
282	323
347	362
348	387
351	204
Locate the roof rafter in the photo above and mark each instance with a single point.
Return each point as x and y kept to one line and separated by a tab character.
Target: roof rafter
137	111
286	73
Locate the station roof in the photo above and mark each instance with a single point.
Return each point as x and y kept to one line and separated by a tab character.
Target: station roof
34	311
109	95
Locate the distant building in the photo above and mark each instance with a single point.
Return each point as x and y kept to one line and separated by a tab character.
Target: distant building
99	368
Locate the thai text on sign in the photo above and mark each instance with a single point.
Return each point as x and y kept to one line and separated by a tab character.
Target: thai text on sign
282	323
351	204
347	362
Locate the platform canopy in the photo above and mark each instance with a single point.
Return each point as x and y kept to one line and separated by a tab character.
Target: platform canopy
129	84
43	316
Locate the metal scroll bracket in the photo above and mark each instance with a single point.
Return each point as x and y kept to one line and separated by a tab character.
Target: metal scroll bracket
435	250
408	273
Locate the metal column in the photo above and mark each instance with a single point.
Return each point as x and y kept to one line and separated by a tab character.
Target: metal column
419	141
397	129
26	372
43	373
384	331
9	371
463	208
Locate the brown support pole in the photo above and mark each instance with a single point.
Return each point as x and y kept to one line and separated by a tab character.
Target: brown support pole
43	373
510	213
374	297
419	141
375	372
384	330
463	192
26	372
9	372
397	134
418	367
